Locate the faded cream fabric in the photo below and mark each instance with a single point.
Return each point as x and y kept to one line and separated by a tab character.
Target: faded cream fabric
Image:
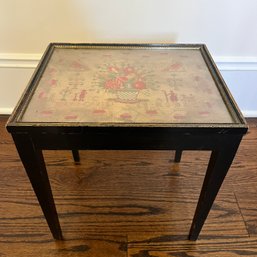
127	85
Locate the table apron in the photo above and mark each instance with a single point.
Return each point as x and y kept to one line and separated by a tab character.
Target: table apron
132	142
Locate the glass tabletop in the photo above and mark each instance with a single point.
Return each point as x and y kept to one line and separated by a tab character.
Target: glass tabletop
126	85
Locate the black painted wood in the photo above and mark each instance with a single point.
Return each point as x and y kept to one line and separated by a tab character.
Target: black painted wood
178	155
219	164
34	165
76	157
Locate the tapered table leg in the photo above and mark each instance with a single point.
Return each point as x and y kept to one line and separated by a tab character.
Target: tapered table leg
76	156
178	155
34	165
218	167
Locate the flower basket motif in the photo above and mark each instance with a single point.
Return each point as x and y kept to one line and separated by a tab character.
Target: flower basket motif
127	96
125	81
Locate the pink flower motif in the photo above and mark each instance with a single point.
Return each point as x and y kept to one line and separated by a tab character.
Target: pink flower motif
112	84
47	113
113	69
128	70
173	96
53	82
139	84
42	95
121	80
125	116
82	95
78	66
124	78
174	67
71	117
99	111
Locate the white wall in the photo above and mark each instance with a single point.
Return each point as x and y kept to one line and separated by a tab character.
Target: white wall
228	27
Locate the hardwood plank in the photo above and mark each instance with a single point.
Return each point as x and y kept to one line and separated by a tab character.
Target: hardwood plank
152	169
166	245
5	137
39	244
247	202
116	211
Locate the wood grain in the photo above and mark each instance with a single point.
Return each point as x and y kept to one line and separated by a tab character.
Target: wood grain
151	245
129	203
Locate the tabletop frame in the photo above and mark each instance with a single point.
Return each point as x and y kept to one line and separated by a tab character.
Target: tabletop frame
230	103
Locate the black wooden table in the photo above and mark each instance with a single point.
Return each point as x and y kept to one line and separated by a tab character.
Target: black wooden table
127	97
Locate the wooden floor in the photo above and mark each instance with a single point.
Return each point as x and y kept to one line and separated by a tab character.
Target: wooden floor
128	203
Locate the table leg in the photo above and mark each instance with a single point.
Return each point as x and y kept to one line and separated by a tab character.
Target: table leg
76	156
34	165
218	167
178	155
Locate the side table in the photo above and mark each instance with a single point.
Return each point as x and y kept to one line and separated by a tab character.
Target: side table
127	97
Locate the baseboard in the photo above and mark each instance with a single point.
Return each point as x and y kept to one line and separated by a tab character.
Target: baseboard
19	60
6	111
233	63
236	63
250	113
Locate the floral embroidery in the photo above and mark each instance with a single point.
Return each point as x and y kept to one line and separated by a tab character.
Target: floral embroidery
99	111
71	117
125	116
126	85
125	81
53	82
123	78
174	67
47	113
